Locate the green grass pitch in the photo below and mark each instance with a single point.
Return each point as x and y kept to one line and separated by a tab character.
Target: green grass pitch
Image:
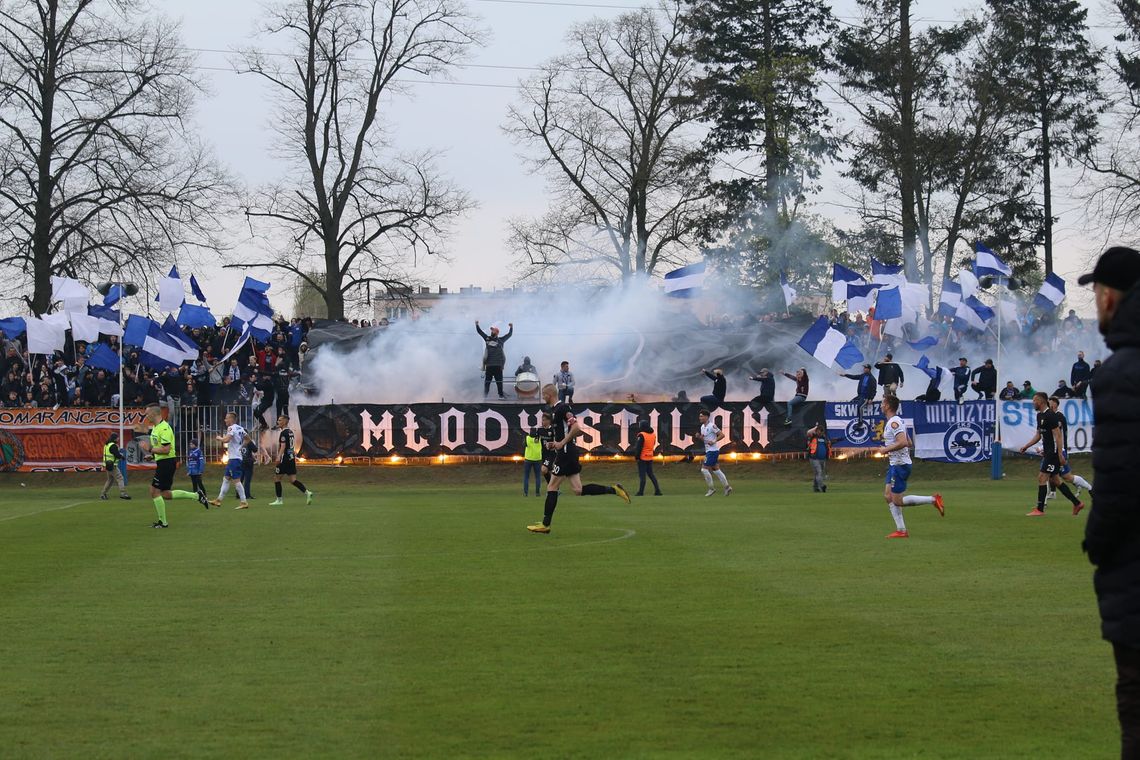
409	614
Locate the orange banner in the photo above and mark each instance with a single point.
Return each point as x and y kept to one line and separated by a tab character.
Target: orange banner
61	440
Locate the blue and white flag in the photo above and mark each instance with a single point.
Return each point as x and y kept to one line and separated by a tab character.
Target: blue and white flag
98	320
888	303
988	263
789	291
195	316
162	348
196	290
13	327
886	274
923	344
950	298
104	357
134	332
972	314
685	282
170	293
841	277
1051	294
861	297
253	309
930	370
829	346
110	321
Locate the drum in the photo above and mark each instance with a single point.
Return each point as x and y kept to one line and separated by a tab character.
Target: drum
526	383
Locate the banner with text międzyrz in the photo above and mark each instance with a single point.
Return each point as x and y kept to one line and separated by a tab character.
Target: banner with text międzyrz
423	430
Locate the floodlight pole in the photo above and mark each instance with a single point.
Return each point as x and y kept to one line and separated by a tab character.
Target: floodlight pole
996	449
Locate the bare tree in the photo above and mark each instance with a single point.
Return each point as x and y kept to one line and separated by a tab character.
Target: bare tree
611	131
350	208
100	174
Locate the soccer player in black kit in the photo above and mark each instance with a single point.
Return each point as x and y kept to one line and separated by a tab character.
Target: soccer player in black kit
566	463
287	464
1052	455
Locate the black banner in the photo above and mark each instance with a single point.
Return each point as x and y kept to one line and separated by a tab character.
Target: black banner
421	430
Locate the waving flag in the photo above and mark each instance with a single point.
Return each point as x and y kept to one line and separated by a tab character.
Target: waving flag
13	327
950	298
170	293
45	336
888	304
106	320
968	283
253	309
196	290
685	282
886	274
927	368
988	263
195	316
162	349
789	291
104	357
829	345
73	294
1051	294
923	343
114	295
841	277
861	297
972	313
134	333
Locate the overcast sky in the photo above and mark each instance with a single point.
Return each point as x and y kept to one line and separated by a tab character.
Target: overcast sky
464	118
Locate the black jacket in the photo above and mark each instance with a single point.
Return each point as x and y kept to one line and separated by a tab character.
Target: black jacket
987	378
1112	534
720	385
494	356
1080	372
889	372
767	387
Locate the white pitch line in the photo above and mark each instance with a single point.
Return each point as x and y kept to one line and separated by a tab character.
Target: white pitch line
42	511
626	534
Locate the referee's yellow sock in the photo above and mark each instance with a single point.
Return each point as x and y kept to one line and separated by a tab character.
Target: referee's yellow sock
160	508
183	495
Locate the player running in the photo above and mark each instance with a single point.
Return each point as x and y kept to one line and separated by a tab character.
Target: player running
287	464
711	436
566	464
234	438
1053	456
1067	473
897	448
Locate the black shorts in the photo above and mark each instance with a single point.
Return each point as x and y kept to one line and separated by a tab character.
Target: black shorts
1050	464
566	464
288	467
164	474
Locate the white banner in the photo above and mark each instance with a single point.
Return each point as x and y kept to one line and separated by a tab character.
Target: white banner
1019	423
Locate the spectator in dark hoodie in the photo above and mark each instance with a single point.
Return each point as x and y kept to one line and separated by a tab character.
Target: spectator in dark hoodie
494	357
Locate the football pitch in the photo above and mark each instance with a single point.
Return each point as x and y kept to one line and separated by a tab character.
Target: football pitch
408	613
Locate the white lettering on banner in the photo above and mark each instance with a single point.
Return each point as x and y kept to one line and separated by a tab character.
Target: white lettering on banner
412	433
447	438
947	413
722	418
504	434
590	438
370	430
653	417
678	437
623	419
528	420
755	428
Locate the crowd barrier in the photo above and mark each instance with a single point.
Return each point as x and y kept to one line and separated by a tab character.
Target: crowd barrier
72	439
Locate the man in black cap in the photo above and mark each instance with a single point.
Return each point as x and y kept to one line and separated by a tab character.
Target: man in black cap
986	384
865	393
1112	535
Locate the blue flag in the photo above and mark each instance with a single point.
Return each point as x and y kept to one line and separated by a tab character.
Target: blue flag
252	312
103	357
685	282
196	290
923	343
13	326
134	334
195	316
888	304
988	263
114	294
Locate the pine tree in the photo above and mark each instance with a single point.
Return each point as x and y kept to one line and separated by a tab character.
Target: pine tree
1050	68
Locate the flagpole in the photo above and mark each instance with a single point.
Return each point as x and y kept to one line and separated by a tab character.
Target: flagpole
995	452
122	463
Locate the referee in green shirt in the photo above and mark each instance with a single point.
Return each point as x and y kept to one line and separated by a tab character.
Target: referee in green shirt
161	446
